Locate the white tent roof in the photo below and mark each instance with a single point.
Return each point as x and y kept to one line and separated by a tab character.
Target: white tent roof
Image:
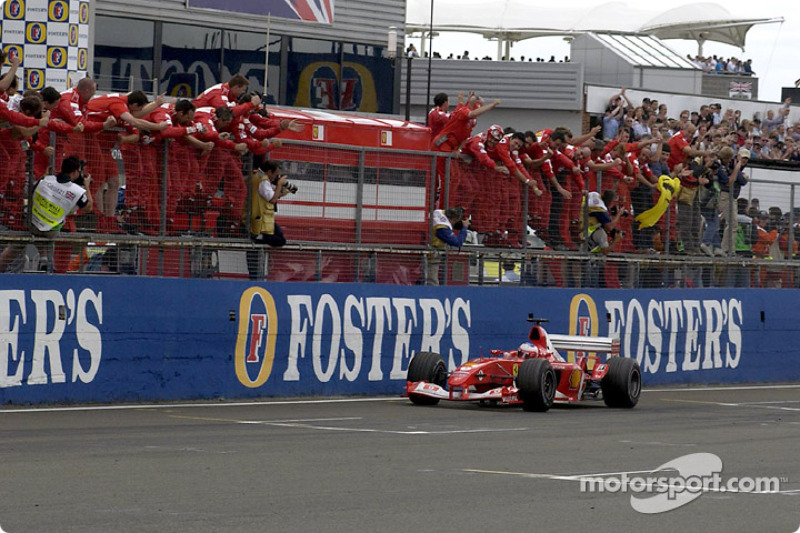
516	20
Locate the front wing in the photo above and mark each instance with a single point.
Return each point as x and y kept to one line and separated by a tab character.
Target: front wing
500	394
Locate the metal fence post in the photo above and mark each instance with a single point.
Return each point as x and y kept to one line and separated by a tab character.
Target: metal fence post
360	195
162	223
524	218
446	189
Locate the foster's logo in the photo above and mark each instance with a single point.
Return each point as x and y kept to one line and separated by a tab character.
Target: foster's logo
83	16
56	57
36	32
82	58
73	35
14	9
255	341
35	79
59	11
12	51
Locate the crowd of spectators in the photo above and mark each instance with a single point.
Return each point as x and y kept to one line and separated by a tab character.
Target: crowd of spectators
720	65
629	153
411	51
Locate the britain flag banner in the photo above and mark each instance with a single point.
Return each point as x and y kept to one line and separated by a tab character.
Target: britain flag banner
320	11
52	39
741	90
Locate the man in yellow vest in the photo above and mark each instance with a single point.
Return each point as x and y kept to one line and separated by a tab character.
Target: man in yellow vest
444	223
54	198
267	186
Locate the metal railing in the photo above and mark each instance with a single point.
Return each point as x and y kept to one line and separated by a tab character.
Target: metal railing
356	174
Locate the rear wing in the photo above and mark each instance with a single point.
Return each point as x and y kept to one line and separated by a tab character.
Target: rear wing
580	343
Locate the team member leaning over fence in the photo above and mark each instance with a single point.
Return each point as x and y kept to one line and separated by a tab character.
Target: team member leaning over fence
456	130
143	198
20	125
227	95
221	170
123	108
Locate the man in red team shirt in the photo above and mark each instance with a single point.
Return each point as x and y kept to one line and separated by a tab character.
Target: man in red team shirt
506	195
58	128
144	196
227	95
14	127
223	166
457	130
438	115
127	108
476	168
680	149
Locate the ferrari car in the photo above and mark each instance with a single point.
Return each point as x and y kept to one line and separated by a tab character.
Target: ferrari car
535	375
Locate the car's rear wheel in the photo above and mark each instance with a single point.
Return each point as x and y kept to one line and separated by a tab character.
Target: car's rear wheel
430	367
536	384
622	384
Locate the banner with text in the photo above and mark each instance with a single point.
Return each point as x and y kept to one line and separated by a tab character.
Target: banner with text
81	339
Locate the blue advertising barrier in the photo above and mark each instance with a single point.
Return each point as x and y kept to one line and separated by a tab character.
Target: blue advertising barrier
97	339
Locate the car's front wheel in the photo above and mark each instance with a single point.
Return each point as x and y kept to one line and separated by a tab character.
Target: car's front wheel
430	367
536	384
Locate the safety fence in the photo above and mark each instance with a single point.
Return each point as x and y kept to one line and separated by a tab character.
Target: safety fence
303	261
360	214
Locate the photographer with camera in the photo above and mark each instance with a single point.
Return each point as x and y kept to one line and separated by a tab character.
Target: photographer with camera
54	198
731	179
602	238
445	225
708	195
267	186
693	180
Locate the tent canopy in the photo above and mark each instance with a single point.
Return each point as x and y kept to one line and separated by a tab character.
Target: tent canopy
517	20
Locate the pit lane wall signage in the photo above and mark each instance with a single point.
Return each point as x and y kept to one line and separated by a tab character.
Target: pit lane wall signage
52	39
81	339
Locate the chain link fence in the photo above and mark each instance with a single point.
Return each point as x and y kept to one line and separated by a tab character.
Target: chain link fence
359	215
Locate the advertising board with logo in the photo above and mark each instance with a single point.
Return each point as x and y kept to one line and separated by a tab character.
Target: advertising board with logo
84	339
51	37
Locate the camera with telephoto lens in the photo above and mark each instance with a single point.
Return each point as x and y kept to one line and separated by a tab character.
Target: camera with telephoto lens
715	165
615	209
288	185
81	179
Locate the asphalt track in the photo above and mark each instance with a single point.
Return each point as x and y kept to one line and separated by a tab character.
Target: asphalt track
384	465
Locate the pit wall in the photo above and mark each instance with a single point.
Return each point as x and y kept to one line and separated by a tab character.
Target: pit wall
94	339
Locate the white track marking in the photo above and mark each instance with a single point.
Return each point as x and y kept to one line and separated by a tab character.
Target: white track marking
742	387
325	401
303	423
580	477
754	405
193	405
657	443
386	431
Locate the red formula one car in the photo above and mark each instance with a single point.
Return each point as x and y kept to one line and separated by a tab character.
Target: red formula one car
534	375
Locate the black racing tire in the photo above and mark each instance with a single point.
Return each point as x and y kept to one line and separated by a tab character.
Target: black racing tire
430	367
536	385
622	384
